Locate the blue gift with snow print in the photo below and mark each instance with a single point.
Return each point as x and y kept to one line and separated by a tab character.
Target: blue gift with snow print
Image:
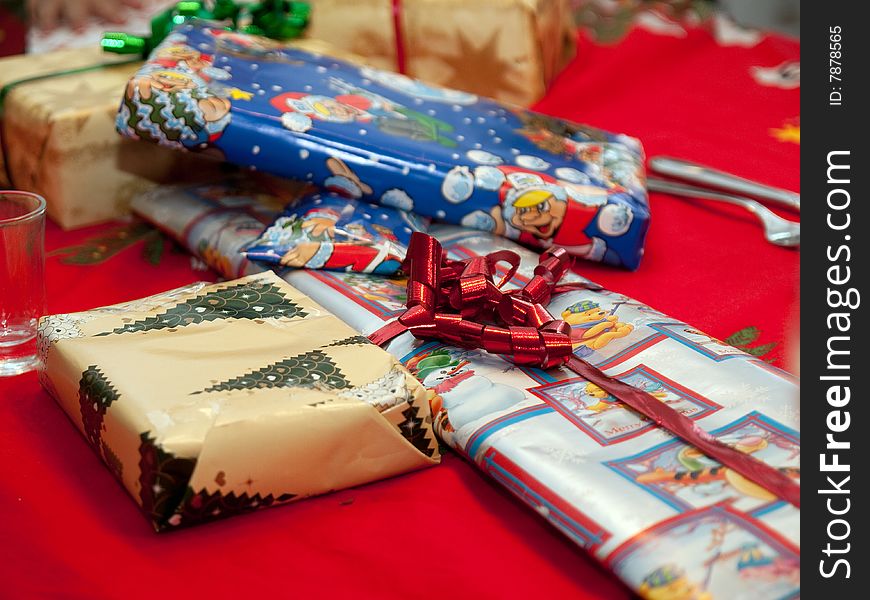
328	231
382	137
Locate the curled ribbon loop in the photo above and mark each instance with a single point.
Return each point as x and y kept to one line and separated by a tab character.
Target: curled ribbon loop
460	303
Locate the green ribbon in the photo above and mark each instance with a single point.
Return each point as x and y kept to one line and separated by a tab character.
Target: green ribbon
277	19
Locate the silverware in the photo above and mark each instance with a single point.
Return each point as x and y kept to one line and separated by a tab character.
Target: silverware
689	171
777	230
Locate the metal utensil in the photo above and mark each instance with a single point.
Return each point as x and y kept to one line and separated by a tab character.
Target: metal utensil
689	171
777	230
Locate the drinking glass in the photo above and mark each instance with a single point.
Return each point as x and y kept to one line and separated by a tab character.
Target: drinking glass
22	279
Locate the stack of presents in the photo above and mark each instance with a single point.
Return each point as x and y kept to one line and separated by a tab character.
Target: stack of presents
340	191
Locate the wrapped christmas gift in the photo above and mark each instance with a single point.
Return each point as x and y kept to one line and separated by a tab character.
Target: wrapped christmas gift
328	231
58	136
667	519
216	221
214	400
507	49
382	137
312	230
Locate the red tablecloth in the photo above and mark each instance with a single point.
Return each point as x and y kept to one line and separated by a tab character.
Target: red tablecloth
69	530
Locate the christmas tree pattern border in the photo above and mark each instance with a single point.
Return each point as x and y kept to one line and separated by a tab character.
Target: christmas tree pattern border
249	300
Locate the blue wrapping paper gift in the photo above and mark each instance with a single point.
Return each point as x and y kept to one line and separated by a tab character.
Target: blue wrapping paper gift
385	138
327	231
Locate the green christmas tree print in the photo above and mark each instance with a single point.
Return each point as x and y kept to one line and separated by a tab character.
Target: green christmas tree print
250	300
356	340
96	395
312	369
203	506
163	480
412	430
112	460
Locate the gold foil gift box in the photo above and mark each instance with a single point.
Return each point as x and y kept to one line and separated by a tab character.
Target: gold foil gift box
504	49
213	400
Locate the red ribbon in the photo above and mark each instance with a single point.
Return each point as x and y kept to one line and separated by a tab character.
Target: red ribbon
397	33
459	302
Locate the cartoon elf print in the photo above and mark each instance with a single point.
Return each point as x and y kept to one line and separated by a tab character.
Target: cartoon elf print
461	395
592	327
174	108
537	209
696	470
317	248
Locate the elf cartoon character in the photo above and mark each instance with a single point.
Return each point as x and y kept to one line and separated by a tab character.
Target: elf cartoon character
537	209
670	582
319	250
592	327
173	107
465	395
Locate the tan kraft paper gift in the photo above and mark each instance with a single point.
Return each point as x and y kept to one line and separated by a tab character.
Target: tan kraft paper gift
212	400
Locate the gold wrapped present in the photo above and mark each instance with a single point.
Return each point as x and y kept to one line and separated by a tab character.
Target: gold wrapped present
59	138
212	400
504	49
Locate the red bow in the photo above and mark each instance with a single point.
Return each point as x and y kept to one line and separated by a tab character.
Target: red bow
459	302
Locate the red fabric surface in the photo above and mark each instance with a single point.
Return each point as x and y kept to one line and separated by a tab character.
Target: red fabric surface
69	530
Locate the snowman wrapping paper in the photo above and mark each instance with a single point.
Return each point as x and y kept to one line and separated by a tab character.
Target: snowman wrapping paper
667	520
385	138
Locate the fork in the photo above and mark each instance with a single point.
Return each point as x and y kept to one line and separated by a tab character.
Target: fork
726	182
777	230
